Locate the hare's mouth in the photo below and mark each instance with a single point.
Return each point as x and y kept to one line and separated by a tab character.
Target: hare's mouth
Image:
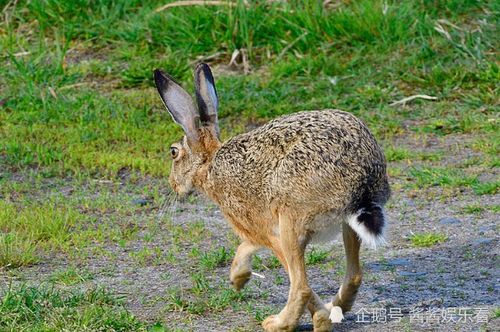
186	196
182	192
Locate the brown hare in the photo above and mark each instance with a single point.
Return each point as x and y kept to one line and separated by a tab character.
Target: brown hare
298	179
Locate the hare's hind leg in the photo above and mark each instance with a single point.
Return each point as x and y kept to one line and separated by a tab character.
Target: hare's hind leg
241	269
352	280
292	250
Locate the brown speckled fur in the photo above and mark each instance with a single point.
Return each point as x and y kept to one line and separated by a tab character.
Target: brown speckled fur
281	185
314	161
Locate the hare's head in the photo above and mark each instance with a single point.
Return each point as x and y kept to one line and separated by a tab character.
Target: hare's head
200	126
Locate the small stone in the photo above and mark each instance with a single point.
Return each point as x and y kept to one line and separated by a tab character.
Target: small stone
449	221
487	228
411	202
482	241
398	262
376	267
411	274
140	201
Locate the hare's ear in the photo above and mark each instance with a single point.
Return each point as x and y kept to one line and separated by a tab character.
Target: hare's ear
179	104
206	96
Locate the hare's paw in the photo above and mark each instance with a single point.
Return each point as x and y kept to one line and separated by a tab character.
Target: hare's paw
336	302
239	280
274	324
321	321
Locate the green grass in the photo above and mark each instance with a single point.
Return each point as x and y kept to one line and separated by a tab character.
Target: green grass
496	313
486	188
203	298
427	239
424	177
45	308
215	258
473	209
265	263
70	276
41	217
437	176
316	256
147	256
204	295
262	313
77	103
32	229
399	153
488	146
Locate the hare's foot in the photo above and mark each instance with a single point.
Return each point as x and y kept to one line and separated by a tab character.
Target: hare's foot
346	295
289	317
320	314
241	269
321	321
239	281
274	323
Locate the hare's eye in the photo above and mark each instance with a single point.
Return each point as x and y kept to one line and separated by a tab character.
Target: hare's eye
174	152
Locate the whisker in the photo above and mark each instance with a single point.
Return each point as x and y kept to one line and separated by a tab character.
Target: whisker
162	206
166	203
173	207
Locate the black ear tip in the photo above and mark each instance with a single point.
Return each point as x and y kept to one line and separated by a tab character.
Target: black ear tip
204	69
160	79
158	73
201	65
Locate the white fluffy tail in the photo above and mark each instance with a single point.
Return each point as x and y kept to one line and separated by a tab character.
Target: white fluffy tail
370	226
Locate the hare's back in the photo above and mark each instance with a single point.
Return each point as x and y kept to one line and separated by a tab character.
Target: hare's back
312	155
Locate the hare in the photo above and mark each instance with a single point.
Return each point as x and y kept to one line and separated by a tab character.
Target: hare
300	178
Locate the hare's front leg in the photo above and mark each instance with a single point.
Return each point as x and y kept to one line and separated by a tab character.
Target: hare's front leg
319	311
352	280
300	293
241	269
